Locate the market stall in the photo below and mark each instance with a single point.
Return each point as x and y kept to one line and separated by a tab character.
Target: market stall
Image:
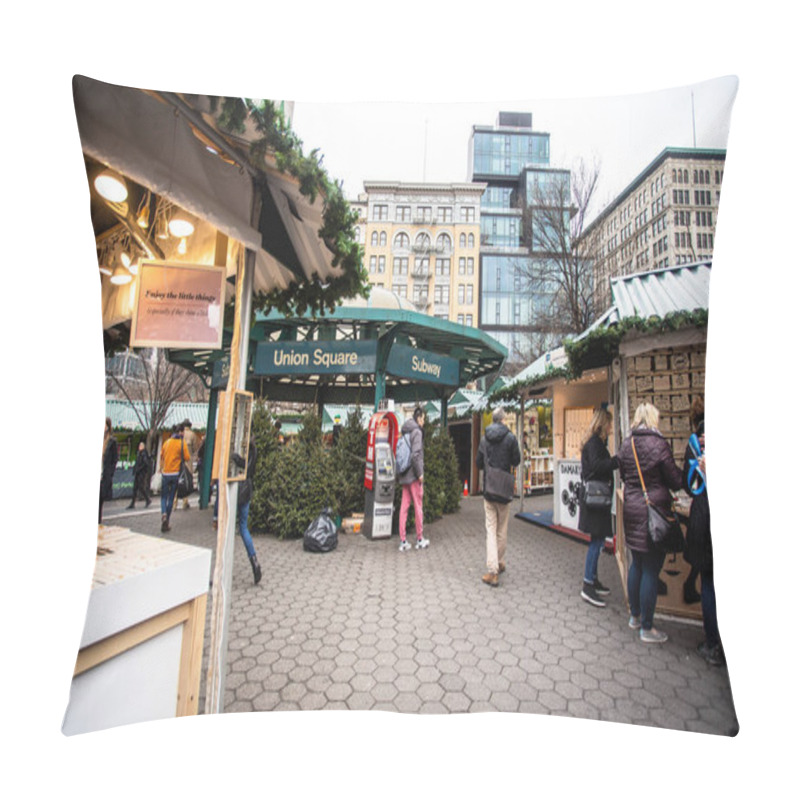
142	645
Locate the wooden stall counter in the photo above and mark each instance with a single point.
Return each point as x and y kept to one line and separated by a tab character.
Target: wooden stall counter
674	572
141	651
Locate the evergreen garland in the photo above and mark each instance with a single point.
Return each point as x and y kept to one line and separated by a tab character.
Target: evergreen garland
338	219
600	347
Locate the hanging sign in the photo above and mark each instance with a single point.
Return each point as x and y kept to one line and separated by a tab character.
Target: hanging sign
422	365
178	306
315	358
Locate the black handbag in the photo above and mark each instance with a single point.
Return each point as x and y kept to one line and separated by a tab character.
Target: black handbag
185	479
596	494
664	532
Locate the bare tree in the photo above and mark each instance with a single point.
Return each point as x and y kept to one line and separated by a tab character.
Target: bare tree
160	385
559	270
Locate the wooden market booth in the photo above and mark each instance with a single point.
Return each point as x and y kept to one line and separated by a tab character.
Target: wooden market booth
650	346
176	197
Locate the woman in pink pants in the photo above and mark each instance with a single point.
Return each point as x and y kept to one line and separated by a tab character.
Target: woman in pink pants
411	481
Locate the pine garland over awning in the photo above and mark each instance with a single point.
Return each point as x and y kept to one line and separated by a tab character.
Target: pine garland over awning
599	347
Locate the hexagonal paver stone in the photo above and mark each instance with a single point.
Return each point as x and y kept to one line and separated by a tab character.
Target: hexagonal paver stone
455	702
266	701
360	701
407	702
339	691
430	692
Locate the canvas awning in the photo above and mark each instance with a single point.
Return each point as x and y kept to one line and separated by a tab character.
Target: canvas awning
164	142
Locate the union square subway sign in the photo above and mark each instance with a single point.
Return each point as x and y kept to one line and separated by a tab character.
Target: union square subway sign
334	358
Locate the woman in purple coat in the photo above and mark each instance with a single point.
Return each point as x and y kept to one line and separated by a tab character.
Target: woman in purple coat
660	474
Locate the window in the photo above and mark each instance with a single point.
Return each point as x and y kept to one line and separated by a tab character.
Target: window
462	266
373	263
469	320
441	294
469	294
462	240
471	241
424	214
380	212
381	263
401	241
422	243
374	239
444	244
421	265
467	214
460	319
400	289
442	266
403	214
461	294
470	266
400	266
383	238
445	214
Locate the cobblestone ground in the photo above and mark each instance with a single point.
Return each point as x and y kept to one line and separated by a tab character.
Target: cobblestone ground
368	627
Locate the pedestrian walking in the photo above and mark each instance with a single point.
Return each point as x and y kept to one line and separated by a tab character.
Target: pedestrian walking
190	438
141	476
245	495
597	465
411	481
172	453
645	457
498	454
698	550
108	466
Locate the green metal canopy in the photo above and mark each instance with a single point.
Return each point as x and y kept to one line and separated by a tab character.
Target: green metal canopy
359	354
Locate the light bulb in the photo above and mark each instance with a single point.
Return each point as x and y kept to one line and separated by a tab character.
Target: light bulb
111	186
121	276
180	228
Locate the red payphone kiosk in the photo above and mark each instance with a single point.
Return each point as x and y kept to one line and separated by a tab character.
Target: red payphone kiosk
379	476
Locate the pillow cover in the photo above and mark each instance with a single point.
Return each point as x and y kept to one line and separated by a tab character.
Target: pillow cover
368	627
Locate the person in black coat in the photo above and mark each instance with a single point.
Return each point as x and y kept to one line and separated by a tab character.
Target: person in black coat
141	476
698	550
110	457
499	448
596	464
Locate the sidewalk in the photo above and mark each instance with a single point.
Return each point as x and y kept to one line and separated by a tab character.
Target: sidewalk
368	627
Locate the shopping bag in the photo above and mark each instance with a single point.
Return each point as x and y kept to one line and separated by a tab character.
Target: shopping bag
155	483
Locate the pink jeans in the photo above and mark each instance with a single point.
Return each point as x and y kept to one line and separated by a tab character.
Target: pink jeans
411	492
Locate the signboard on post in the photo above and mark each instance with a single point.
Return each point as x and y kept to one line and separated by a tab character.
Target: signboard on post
178	306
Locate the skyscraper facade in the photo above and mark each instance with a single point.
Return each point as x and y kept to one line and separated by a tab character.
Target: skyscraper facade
513	161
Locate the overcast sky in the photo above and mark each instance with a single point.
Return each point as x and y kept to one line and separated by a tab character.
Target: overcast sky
429	141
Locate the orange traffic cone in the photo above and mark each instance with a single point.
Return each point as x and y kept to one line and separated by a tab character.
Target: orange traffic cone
466	489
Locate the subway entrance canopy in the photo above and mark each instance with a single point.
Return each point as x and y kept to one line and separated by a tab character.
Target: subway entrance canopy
363	352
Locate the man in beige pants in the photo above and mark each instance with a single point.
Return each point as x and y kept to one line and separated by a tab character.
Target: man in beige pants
498	453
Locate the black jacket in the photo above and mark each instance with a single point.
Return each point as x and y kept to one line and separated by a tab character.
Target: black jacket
698	532
599	465
500	448
142	465
246	486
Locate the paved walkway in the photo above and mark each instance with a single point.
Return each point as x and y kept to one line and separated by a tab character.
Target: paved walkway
368	627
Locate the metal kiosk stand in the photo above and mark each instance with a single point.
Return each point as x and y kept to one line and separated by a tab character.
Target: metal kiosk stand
379	476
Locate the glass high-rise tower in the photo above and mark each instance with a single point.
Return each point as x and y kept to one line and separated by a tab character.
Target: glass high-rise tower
514	161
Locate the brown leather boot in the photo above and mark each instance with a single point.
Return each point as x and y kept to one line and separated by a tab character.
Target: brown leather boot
490	578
